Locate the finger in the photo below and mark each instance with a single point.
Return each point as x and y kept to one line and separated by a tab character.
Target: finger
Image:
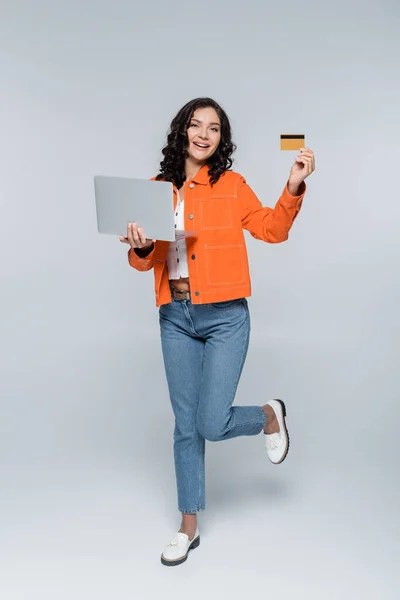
124	240
306	162
130	235
306	152
312	164
135	235
141	235
309	166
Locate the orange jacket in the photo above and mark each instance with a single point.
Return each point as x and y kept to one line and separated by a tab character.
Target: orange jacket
217	256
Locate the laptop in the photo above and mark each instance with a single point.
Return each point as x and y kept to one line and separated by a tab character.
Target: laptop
148	203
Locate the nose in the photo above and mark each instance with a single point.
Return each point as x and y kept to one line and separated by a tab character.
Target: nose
203	134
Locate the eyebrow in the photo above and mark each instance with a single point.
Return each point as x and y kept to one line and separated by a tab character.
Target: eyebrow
197	121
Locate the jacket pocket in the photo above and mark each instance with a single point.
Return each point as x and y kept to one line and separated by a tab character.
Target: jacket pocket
215	213
225	265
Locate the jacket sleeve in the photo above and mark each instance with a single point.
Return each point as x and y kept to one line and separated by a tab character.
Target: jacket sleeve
140	264
269	224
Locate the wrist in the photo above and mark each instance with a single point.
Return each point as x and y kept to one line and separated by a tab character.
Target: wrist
295	188
145	251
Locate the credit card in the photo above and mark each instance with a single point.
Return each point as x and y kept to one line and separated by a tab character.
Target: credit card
293	141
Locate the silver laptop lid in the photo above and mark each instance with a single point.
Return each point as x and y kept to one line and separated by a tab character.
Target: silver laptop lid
148	203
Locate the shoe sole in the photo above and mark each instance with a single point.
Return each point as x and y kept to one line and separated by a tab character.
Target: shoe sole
281	402
174	563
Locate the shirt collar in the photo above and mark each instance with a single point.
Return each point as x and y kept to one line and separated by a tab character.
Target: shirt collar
202	177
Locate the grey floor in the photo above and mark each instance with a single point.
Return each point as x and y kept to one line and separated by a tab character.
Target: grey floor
299	530
88	500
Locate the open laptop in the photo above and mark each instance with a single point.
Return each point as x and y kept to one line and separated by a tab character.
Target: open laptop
148	203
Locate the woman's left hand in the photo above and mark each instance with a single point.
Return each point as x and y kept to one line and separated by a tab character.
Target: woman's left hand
302	168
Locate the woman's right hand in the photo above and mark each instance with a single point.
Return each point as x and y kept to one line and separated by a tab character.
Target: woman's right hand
136	238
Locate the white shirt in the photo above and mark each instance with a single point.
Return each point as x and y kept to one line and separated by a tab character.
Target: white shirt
177	253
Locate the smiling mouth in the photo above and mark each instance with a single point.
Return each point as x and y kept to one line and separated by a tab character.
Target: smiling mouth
201	146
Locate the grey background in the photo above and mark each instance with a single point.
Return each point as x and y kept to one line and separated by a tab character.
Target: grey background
87	481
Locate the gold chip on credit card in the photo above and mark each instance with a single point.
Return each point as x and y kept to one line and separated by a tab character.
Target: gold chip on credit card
292	141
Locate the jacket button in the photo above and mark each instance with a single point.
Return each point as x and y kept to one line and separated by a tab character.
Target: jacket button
191	185
197	293
193	256
191	216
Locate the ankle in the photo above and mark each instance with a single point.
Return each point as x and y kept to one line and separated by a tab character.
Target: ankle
189	525
268	412
271	422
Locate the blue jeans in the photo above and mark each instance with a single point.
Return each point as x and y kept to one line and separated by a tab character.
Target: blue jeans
204	348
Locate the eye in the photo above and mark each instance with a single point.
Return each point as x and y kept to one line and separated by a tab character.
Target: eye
215	129
193	125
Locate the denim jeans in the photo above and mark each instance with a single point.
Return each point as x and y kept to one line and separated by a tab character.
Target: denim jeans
204	348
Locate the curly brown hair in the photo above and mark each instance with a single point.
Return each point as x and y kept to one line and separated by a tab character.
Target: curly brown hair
172	167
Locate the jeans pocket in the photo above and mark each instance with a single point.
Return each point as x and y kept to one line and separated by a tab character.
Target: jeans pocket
227	304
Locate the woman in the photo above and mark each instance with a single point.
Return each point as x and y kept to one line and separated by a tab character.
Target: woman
201	285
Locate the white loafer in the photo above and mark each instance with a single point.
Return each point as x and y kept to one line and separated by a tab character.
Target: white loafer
176	552
277	444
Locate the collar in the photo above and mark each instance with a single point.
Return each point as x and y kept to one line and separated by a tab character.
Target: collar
202	177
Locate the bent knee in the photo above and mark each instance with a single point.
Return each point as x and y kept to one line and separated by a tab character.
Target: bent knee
213	431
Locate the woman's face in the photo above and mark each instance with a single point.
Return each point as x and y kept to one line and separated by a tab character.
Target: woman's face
204	134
